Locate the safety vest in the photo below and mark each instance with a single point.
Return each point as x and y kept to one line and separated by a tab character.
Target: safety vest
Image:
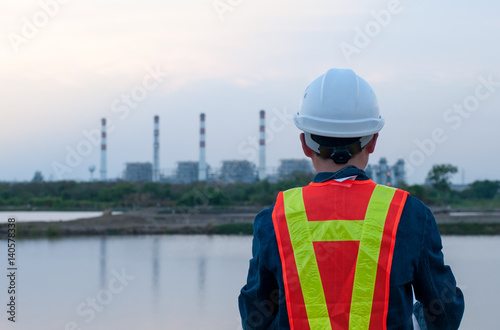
336	242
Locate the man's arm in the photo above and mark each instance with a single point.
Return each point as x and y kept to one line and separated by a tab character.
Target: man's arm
259	298
435	286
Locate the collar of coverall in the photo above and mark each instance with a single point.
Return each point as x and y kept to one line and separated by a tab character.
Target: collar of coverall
341	175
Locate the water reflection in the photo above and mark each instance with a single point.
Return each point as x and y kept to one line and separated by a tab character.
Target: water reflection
102	263
155	281
202	271
202	275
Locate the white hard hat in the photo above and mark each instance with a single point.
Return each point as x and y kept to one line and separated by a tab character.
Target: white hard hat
339	104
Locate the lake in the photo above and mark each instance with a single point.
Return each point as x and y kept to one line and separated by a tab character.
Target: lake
183	282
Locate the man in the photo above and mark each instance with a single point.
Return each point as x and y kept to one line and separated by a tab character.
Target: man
344	252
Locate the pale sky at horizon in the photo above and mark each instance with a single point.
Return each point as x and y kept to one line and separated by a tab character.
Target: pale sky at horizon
262	55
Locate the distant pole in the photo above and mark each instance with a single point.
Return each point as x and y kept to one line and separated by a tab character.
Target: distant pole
91	170
202	165
262	143
103	150
156	146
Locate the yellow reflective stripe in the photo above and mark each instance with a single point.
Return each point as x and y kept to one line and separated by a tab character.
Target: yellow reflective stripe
305	259
367	262
336	230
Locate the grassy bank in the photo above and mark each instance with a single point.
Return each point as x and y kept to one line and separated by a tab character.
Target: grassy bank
61	229
469	228
445	229
131	225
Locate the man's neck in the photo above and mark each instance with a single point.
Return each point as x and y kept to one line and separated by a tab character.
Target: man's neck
327	165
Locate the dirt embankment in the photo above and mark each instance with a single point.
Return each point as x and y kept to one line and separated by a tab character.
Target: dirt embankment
230	221
143	222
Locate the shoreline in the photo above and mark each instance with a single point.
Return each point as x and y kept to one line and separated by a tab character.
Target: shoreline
235	221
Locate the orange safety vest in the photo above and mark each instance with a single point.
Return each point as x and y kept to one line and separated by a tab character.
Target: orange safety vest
336	242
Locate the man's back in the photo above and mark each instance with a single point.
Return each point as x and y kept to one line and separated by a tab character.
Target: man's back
416	261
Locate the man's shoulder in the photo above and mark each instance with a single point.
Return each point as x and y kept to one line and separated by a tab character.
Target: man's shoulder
263	230
416	207
266	212
264	218
415	218
263	227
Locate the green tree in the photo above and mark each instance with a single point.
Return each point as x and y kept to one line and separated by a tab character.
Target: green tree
440	175
152	188
38	177
116	193
203	196
481	189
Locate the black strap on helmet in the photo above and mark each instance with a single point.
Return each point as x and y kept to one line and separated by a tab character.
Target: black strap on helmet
340	154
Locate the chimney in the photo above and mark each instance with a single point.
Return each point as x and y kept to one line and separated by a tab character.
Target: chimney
262	149
156	150
202	165
103	149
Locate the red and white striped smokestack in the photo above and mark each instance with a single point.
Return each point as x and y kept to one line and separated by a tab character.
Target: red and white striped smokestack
262	143
103	149
156	150
202	165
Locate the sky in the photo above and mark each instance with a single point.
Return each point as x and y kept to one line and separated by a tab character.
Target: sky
65	64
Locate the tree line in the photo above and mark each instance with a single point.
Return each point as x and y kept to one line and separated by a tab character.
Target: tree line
438	190
71	195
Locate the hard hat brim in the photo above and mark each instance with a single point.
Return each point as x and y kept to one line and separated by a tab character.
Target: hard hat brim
339	128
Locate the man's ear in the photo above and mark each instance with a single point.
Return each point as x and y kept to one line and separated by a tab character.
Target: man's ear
370	147
307	151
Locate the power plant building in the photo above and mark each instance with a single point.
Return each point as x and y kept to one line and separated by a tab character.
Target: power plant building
238	171
385	174
138	172
187	172
290	166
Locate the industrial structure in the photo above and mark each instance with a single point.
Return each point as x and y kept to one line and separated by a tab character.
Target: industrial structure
237	171
156	150
385	174
186	172
232	171
289	167
103	150
262	146
202	174
138	172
